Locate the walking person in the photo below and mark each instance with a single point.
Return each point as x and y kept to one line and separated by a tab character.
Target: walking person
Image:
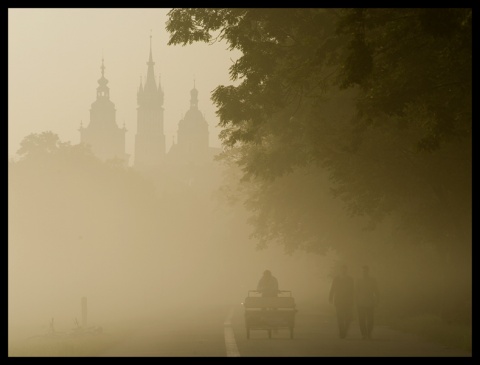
367	300
341	295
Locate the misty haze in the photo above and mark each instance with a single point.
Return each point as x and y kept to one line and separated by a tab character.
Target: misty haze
240	182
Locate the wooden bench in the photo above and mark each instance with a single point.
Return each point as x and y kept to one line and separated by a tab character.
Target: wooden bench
269	302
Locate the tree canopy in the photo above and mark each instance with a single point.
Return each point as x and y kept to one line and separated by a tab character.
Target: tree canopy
378	98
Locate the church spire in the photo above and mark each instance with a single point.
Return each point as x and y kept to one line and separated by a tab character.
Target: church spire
150	58
103	68
150	84
194	96
150	137
102	89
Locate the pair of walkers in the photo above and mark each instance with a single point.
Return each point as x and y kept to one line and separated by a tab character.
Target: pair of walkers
344	293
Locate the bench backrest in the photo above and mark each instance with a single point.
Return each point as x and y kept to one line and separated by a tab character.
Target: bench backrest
269	302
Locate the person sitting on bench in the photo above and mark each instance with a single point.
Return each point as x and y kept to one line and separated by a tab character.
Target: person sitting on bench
268	285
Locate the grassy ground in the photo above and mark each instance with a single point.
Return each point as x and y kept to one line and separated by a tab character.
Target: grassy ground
428	326
58	347
434	329
64	346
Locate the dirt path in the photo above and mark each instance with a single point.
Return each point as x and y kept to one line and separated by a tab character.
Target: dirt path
220	332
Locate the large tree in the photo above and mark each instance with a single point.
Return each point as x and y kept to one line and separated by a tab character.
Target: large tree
380	98
368	106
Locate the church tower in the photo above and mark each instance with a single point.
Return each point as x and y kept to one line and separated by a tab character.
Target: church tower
192	144
150	139
102	134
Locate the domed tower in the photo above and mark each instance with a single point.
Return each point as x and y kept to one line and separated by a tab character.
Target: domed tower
105	138
150	139
192	144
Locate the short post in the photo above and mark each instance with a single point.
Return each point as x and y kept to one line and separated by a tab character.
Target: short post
84	312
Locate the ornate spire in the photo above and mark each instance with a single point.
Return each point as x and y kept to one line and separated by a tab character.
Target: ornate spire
103	68
150	58
194	96
102	89
102	80
150	84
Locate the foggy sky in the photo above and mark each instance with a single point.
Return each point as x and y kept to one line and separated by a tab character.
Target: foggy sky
54	59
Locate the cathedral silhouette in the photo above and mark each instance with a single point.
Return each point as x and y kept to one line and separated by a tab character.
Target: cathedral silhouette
107	140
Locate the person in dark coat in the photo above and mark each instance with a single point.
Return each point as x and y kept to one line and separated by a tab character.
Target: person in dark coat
268	285
366	300
341	295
